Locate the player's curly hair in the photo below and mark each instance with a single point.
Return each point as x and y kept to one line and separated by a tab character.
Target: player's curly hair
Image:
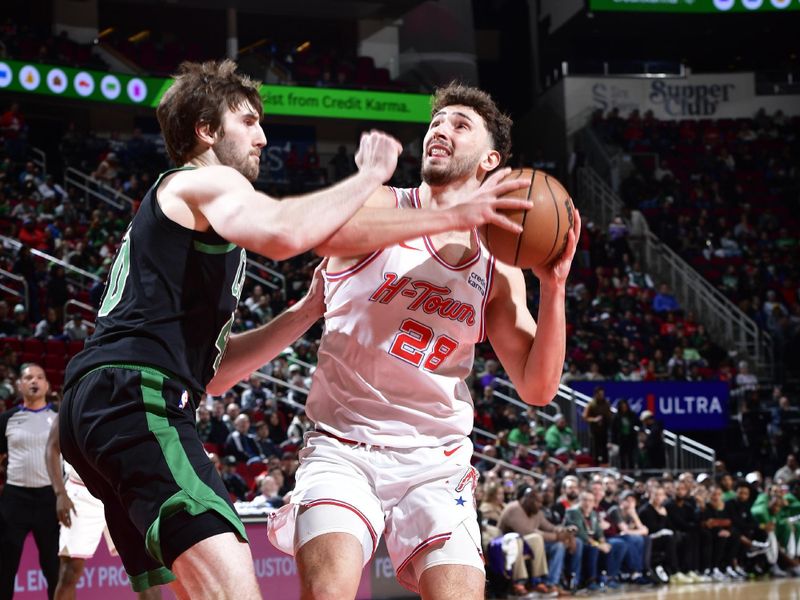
498	123
200	94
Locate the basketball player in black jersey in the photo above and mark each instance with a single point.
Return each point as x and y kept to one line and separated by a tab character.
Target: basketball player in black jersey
162	337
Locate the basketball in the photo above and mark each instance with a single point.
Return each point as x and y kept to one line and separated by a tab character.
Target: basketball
544	226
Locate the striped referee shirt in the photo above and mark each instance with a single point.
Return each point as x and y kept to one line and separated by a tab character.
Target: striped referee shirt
23	436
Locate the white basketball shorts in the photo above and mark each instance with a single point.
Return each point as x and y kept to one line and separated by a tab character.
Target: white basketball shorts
88	525
419	497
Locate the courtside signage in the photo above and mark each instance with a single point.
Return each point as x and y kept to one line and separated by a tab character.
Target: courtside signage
80	84
695	6
678	405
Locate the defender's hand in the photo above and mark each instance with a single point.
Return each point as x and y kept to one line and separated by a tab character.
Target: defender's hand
314	300
377	155
482	206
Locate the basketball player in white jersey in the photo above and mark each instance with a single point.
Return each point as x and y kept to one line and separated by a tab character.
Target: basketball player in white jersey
391	451
83	523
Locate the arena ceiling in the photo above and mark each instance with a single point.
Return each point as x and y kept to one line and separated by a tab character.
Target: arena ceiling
318	9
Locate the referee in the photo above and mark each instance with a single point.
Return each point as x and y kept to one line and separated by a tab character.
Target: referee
28	502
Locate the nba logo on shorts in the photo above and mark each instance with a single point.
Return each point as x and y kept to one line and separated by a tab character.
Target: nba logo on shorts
184	400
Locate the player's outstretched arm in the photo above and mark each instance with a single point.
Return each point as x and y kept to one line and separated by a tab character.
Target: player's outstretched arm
379	224
249	351
532	353
223	199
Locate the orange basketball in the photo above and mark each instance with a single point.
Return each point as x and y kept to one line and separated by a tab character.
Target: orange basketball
545	225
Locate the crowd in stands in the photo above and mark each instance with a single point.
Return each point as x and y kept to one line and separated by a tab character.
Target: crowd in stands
315	65
158	53
570	530
37	44
621	326
724	193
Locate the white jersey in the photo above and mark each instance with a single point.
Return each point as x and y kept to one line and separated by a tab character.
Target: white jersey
72	474
400	331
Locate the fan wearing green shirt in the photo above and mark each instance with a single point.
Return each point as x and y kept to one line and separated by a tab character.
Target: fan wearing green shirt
560	438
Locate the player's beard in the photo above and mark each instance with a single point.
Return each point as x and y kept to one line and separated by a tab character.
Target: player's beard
452	170
231	156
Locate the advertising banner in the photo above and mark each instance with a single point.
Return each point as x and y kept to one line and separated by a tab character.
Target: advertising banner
694	6
712	96
104	576
678	405
83	84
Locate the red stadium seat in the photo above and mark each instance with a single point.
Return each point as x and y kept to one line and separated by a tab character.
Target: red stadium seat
13	344
28	357
212	448
74	346
55	361
55	347
55	377
256	469
33	346
243	470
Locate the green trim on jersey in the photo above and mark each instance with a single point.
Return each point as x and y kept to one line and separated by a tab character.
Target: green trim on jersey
169	171
213	248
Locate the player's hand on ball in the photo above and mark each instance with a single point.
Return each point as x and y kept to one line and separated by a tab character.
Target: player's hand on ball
557	272
483	205
377	154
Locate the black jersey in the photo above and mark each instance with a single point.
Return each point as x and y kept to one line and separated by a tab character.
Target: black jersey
169	300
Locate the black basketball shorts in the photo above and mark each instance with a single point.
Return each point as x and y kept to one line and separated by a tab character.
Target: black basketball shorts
130	433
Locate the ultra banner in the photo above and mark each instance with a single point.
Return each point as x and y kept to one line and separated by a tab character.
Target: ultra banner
104	576
679	405
712	96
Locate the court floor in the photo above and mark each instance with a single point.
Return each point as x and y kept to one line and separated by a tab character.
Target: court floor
776	589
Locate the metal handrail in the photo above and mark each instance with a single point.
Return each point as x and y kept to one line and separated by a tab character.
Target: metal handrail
607	471
14	292
531	451
264	267
261	280
722	317
507	465
19	279
84	306
39	158
93	187
43	255
282	383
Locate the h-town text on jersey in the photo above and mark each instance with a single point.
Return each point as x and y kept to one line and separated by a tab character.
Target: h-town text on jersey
427	296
